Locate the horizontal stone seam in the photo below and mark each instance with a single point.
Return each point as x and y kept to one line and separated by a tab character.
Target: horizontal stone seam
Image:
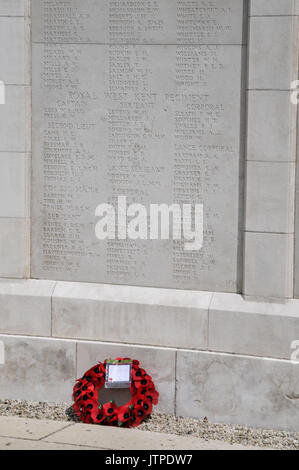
270	232
137	44
274	16
252	160
144	346
270	89
24	85
132	302
208	325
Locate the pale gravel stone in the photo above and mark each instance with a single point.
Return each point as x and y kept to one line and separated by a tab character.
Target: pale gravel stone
233	434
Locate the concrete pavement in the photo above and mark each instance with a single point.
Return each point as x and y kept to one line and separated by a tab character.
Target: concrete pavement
28	434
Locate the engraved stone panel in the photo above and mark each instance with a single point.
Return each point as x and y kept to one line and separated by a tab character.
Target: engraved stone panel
150	116
139	21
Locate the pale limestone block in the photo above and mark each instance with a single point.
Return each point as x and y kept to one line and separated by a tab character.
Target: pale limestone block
270	197
25	307
14	185
215	156
161	317
14	120
273	55
272	121
14	247
12	39
296	281
268	265
158	362
235	389
38	369
14	7
274	7
241	326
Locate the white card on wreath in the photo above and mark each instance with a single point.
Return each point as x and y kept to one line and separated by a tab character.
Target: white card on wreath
119	373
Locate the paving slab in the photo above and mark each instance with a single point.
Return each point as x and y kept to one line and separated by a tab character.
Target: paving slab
132	439
8	443
20	433
32	429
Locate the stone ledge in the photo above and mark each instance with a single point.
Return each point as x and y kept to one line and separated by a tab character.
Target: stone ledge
218	322
157	317
253	328
25	307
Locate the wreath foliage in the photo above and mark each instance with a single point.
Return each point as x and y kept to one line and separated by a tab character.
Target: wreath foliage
89	409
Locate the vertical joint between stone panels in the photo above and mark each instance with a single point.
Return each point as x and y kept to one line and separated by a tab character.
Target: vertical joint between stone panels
261	244
76	360
51	319
28	81
208	322
175	382
246	148
294	153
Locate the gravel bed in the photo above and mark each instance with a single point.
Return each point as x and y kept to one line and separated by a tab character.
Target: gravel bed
233	434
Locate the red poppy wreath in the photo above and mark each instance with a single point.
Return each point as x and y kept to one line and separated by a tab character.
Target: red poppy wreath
88	408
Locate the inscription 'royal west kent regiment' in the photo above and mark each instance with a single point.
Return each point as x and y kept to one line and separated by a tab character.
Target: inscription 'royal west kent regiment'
141	99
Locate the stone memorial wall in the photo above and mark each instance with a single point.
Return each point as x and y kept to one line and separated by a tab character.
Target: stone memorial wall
161	101
141	99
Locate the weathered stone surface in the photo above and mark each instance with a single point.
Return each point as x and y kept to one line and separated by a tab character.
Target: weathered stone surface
268	270
14	185
38	369
270	197
25	307
241	326
14	248
12	33
158	362
143	146
158	317
273	63
272	120
238	389
274	7
13	7
14	123
297	240
163	22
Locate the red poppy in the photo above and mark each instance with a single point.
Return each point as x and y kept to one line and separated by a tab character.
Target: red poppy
147	406
98	415
145	382
135	420
153	396
110	409
124	414
138	374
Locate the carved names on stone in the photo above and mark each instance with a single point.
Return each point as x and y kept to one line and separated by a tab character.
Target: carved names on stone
141	99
